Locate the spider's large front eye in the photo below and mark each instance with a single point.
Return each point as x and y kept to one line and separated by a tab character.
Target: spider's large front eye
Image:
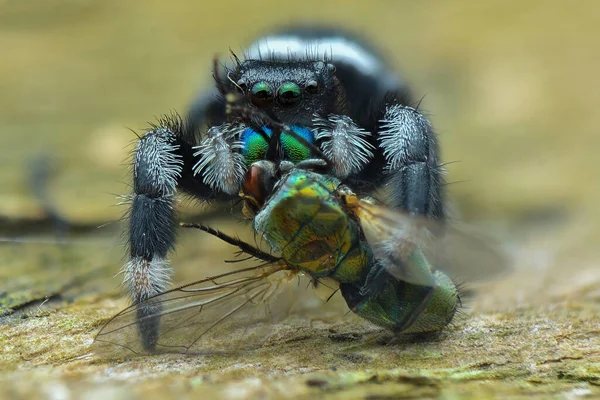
262	94
289	94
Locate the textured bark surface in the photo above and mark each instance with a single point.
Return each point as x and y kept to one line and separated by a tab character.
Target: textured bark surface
510	86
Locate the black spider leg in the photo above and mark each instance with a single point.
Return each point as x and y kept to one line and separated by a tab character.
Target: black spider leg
162	164
408	145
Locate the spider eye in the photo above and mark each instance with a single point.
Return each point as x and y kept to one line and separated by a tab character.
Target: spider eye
289	94
261	94
312	87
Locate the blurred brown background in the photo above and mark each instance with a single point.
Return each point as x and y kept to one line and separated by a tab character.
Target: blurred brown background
511	86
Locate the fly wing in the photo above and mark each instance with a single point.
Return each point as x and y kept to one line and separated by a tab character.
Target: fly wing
395	238
215	314
410	251
468	253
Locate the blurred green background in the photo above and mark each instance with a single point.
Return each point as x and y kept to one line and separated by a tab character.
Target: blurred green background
511	87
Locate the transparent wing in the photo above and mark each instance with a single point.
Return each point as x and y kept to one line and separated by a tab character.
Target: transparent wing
409	249
469	253
229	311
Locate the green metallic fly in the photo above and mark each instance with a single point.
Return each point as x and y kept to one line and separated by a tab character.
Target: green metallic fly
324	230
380	259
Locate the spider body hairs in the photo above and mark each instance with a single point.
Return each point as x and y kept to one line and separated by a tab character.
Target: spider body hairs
298	91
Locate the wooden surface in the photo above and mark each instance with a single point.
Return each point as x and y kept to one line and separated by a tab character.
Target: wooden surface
510	86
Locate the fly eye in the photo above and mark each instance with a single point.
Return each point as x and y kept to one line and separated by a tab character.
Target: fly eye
262	94
312	87
289	94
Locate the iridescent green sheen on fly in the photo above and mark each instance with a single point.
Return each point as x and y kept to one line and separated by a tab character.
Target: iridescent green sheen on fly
306	221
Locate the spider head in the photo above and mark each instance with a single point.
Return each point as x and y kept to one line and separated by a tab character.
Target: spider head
290	91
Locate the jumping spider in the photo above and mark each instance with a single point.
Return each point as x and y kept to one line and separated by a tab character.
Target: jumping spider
331	90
